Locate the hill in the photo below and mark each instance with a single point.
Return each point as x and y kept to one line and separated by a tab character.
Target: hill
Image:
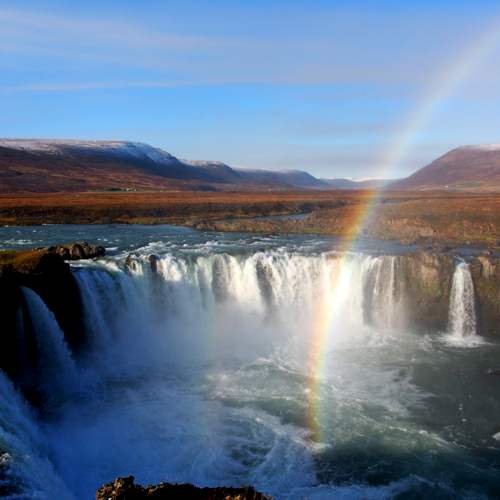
60	165
35	165
467	168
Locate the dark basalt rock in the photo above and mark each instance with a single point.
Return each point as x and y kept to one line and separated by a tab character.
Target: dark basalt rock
153	262
78	250
124	488
45	271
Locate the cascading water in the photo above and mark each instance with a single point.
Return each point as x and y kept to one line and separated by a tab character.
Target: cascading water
25	469
198	369
56	368
382	308
265	287
462	312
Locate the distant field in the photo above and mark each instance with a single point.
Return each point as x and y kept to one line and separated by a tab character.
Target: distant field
159	207
433	217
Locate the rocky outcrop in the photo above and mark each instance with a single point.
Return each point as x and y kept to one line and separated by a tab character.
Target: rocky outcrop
131	262
124	488
77	251
45	271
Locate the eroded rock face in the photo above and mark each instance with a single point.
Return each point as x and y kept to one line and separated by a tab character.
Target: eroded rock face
124	488
425	283
485	272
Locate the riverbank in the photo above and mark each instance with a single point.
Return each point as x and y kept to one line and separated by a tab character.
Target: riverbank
459	219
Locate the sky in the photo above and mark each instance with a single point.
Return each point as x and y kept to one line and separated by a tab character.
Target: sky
340	89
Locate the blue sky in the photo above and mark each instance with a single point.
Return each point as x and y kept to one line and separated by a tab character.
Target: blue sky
341	89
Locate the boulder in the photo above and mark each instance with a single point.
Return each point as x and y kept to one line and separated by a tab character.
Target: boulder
153	262
78	250
124	488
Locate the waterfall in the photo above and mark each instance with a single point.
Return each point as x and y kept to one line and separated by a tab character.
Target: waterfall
381	306
25	469
56	368
230	336
98	294
219	292
462	314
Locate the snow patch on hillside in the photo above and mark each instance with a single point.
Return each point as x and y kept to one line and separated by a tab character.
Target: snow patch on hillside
30	145
142	150
205	163
119	148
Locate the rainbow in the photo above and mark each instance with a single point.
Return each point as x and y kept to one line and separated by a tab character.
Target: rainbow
328	309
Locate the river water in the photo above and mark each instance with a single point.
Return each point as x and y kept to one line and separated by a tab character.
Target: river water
275	361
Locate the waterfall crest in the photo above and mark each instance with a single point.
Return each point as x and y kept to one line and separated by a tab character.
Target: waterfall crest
462	312
263	287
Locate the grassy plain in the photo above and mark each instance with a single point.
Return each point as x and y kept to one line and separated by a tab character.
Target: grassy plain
412	217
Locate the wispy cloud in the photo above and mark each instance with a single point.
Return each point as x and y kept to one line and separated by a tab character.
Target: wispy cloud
324	87
28	28
332	53
77	87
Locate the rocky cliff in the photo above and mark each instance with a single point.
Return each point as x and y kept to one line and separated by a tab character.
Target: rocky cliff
424	284
485	271
45	271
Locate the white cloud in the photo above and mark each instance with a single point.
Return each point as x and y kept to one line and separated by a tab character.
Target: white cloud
365	49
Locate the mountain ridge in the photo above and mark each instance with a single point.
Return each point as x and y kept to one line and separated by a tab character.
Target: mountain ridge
48	165
55	165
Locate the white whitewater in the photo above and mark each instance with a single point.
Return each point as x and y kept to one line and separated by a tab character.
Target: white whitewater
26	463
462	313
264	287
57	368
237	327
381	304
199	363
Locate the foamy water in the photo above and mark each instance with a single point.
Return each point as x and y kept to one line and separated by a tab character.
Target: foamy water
202	373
